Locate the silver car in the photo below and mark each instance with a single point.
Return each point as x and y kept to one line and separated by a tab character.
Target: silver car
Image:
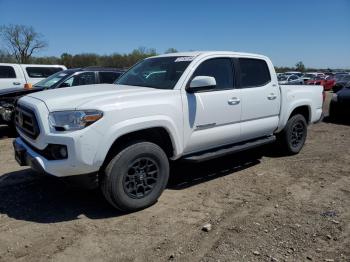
290	80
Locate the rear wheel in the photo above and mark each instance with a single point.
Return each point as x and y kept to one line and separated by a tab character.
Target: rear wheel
136	177
292	138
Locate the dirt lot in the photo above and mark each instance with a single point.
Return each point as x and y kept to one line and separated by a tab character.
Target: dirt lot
262	207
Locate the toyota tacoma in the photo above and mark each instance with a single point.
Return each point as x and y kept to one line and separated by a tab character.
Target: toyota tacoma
192	106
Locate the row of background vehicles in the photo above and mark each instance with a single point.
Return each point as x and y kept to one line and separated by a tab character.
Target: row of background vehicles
339	83
45	77
329	81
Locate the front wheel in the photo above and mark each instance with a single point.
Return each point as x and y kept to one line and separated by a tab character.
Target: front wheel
136	177
292	138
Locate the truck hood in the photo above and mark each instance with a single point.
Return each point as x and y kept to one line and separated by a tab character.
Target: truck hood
92	95
14	92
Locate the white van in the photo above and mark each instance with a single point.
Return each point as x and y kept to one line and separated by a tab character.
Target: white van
21	75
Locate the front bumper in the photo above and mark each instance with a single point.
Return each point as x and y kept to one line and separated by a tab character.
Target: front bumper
26	156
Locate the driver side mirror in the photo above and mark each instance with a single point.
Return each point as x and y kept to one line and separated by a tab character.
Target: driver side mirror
201	83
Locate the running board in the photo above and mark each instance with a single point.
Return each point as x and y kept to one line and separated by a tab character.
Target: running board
215	153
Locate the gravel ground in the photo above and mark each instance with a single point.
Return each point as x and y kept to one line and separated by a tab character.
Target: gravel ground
261	207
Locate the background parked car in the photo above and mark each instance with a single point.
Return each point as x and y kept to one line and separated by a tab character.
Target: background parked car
290	80
341	82
67	78
309	75
327	82
339	108
297	73
21	75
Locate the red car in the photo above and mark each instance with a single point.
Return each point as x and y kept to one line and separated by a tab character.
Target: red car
327	82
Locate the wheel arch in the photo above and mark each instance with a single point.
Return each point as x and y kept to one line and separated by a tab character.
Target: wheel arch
158	135
303	110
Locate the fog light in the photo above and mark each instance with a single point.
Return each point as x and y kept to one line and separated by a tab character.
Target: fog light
63	152
58	152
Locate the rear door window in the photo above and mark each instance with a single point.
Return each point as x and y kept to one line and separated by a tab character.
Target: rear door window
7	72
42	72
108	77
254	72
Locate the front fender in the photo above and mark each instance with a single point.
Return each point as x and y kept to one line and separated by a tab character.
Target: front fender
137	124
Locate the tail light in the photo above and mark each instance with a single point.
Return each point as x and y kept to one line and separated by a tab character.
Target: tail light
28	86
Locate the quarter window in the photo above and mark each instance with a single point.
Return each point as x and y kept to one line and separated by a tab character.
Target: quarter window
7	72
42	72
219	68
254	72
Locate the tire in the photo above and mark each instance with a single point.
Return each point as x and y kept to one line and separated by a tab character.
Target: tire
136	177
293	136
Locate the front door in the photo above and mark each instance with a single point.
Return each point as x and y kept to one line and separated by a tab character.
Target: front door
214	116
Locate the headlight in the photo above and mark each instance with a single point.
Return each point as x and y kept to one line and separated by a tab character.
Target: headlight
73	120
335	97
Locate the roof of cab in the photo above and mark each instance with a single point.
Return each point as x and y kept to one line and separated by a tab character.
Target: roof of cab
206	53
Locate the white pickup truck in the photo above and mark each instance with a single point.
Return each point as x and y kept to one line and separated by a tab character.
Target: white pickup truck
193	106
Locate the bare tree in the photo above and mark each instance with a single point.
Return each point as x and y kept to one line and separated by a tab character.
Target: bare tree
22	41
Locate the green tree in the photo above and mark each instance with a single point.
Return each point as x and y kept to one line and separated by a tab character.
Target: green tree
171	50
300	66
5	57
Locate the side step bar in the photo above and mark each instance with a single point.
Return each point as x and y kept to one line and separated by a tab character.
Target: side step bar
222	151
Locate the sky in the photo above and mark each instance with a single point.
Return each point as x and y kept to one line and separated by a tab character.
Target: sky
316	32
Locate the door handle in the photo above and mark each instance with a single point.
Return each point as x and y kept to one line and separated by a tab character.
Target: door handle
234	101
16	83
271	96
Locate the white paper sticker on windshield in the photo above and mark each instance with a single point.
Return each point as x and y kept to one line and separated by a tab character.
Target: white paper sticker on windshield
184	59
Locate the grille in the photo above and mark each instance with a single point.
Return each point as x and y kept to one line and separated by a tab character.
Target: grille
26	121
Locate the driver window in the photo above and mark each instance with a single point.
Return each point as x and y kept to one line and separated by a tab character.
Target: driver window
86	78
219	68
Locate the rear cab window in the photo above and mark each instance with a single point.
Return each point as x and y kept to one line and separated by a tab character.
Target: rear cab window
7	72
253	72
42	72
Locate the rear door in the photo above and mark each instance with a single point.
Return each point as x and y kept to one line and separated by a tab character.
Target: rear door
214	115
260	98
11	76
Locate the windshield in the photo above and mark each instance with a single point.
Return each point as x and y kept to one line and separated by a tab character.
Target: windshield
158	72
51	80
